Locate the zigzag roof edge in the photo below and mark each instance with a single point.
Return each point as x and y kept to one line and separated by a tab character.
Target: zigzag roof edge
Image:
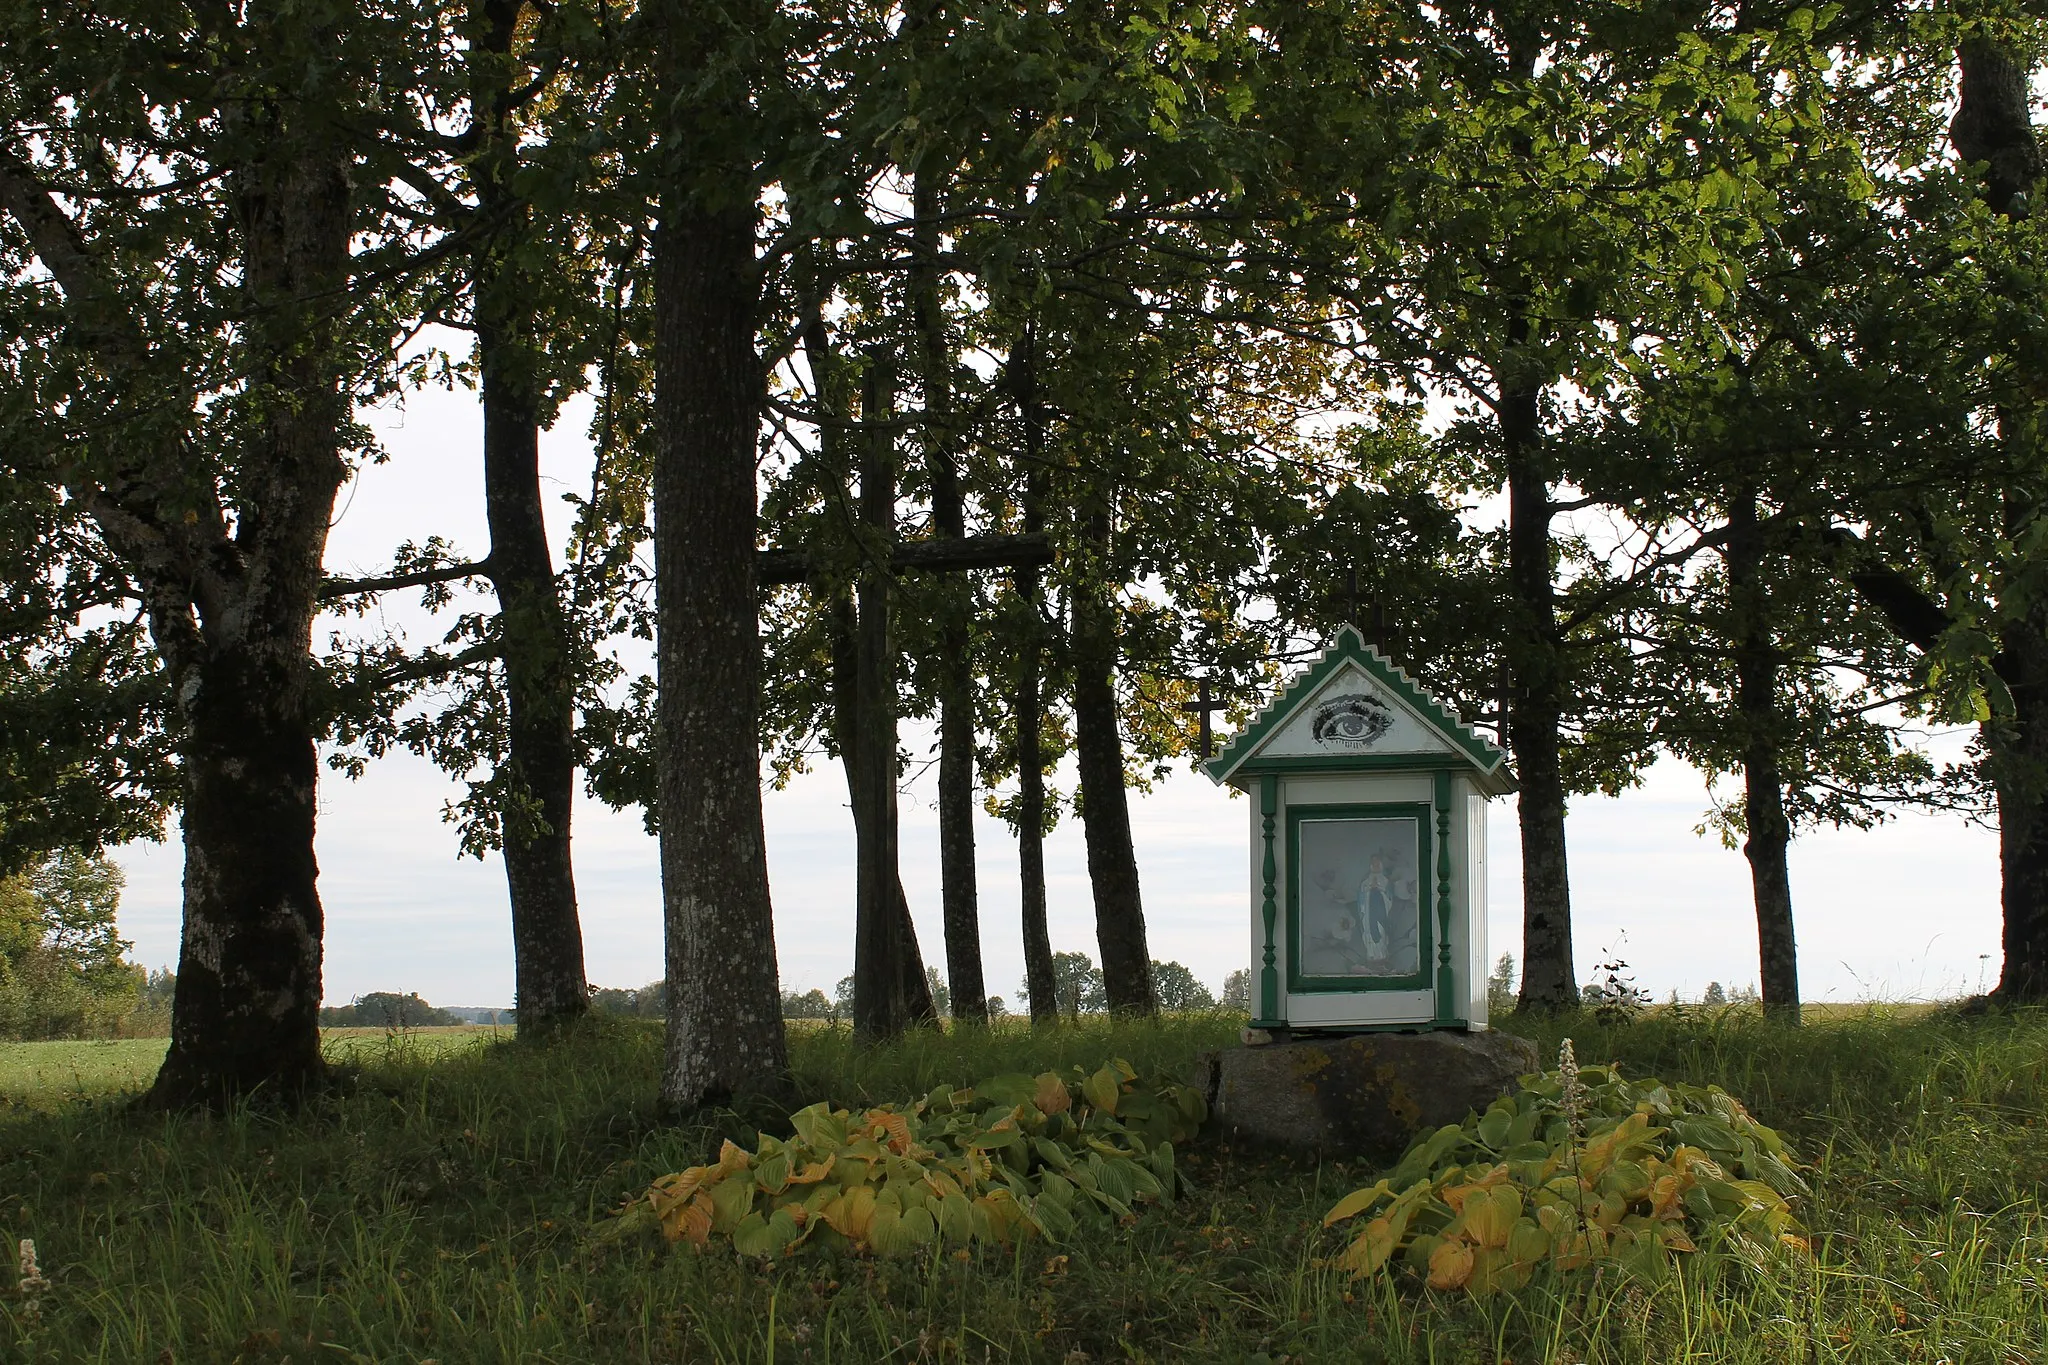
1446	718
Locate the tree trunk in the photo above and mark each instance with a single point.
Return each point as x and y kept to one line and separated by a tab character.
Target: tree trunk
1106	815
959	895
890	990
1041	981
1756	699
246	1012
725	1031
2018	747
900	966
537	785
1549	975
1993	125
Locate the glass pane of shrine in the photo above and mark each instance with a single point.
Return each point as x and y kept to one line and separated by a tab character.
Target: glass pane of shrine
1360	896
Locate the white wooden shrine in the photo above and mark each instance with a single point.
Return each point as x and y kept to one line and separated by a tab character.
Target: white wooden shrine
1368	849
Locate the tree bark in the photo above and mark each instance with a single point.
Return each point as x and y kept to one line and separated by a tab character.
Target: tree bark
1549	976
1040	978
245	1014
890	990
901	964
1993	125
2018	746
959	895
1106	814
537	787
725	1031
1769	832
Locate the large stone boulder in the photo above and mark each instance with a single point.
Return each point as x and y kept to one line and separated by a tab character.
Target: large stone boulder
1363	1095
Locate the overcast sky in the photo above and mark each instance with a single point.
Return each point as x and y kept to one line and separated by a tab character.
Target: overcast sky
1908	911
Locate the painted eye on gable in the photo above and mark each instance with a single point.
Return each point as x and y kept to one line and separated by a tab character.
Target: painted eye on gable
1352	720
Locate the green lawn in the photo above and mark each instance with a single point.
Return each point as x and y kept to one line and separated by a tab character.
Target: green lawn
46	1076
450	1206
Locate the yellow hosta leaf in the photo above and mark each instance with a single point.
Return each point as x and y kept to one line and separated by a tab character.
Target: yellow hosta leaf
1490	1215
1051	1096
1667	1197
1370	1249
1357	1202
689	1221
851	1214
814	1172
732	1159
891	1128
1450	1265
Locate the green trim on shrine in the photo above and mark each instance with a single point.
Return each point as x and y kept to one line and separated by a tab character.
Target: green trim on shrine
1240	754
1269	975
1446	984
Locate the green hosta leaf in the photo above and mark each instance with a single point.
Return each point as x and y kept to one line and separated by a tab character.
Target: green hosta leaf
1008	1090
820	1127
730	1201
1101	1090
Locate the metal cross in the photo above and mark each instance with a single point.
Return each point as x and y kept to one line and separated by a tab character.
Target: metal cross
1203	704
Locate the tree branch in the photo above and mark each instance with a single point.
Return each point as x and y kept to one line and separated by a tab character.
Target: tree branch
351	587
996	551
1912	614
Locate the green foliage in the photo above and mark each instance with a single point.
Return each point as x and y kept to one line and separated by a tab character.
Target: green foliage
62	969
386	1009
648	1002
1175	988
1014	1156
1580	1168
1237	991
1077	985
1500	987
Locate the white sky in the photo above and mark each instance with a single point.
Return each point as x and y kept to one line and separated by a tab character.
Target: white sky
1907	911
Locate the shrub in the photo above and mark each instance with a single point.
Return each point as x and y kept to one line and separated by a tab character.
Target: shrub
1013	1156
1579	1168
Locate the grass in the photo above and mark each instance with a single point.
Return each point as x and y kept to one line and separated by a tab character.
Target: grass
47	1076
450	1208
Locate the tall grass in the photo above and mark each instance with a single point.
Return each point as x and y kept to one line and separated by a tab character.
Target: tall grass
451	1207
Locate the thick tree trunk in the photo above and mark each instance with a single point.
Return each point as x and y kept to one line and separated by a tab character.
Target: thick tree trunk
725	1030
1106	815
1993	125
2018	746
1756	699
959	894
247	1010
245	1018
1549	976
538	783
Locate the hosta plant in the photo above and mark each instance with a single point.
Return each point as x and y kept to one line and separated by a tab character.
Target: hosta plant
1015	1156
1580	1168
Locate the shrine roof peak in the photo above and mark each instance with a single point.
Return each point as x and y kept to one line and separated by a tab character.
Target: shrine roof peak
1395	723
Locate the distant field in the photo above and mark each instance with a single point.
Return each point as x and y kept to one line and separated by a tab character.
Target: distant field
45	1075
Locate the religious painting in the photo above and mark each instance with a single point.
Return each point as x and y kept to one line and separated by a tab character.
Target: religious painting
1359	898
